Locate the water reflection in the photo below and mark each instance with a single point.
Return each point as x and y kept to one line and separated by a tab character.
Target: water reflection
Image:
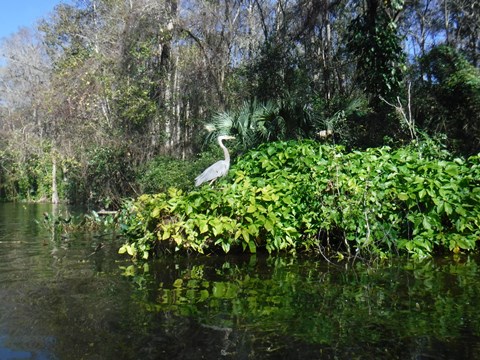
59	299
298	308
56	301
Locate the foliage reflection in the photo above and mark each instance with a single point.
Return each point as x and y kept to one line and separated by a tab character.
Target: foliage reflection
280	304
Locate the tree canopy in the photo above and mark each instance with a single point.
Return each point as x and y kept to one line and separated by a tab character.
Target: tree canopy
103	87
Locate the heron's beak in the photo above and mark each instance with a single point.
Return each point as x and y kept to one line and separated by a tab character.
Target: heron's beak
210	128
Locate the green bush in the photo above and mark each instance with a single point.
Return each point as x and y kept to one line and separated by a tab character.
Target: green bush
306	196
449	100
103	178
163	172
27	175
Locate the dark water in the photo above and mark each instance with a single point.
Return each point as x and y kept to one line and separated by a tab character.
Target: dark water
61	300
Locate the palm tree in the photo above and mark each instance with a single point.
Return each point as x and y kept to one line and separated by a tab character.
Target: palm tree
252	124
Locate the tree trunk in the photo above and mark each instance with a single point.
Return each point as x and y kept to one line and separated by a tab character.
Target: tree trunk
55	199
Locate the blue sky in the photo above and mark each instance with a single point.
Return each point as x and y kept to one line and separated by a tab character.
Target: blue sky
15	14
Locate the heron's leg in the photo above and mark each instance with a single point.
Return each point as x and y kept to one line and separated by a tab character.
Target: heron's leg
211	182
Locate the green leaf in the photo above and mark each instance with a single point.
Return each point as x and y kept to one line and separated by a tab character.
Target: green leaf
426	224
237	234
422	193
217	229
251	209
166	235
123	249
268	225
448	208
245	235
451	170
203	226
178	283
155	213
226	247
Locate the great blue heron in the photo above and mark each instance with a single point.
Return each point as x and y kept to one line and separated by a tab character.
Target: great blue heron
220	168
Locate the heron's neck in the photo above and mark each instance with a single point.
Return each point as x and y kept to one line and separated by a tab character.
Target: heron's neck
225	151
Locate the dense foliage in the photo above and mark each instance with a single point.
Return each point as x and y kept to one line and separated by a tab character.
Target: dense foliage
450	99
307	196
163	172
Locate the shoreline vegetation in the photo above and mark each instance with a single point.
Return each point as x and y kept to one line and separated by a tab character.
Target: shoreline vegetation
342	114
306	196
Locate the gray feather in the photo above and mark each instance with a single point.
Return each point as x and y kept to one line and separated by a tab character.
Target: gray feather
220	168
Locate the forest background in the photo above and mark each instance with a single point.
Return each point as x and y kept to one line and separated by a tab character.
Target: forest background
108	99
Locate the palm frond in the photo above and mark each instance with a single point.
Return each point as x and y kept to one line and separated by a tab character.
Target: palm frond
221	124
252	123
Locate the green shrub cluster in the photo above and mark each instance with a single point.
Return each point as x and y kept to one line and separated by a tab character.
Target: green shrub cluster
163	172
103	177
307	196
26	175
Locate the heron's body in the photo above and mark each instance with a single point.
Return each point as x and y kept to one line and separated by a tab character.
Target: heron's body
219	169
